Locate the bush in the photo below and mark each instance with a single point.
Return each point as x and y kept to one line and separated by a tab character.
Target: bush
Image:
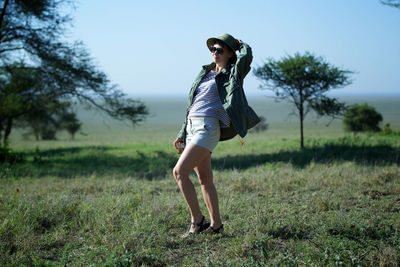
49	134
7	155
387	130
361	118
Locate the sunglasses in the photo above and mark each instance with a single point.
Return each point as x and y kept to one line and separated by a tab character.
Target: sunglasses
216	49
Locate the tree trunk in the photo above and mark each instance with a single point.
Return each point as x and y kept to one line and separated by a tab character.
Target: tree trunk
7	132
3	12
1	130
301	115
301	130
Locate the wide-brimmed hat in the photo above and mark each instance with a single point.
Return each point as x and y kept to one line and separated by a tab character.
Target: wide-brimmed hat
227	39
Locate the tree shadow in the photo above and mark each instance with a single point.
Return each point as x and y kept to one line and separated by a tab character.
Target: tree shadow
360	154
156	164
95	161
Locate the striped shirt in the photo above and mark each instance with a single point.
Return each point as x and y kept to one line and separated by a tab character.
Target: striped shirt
206	102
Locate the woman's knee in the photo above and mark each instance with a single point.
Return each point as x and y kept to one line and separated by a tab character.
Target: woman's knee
178	173
175	172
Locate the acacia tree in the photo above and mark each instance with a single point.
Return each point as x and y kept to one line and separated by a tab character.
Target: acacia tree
33	47
303	81
392	3
45	120
70	123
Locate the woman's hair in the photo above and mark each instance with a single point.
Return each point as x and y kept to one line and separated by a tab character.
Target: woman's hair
221	43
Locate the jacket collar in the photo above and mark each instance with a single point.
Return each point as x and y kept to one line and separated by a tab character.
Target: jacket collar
225	70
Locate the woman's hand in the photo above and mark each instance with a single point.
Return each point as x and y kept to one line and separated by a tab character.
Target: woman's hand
179	145
238	44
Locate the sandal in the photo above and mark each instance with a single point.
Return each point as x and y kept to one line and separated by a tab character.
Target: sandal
202	226
212	230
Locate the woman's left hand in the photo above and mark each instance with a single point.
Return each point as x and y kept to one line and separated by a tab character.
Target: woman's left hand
179	145
238	44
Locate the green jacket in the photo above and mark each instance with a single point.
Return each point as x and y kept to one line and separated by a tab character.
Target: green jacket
230	89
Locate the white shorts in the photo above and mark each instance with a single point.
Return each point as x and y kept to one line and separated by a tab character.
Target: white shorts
203	131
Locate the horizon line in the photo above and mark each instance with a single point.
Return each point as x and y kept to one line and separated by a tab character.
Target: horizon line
175	95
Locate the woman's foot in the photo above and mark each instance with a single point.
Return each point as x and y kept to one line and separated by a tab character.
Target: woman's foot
215	230
196	228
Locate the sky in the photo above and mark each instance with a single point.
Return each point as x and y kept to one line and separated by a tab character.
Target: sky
156	48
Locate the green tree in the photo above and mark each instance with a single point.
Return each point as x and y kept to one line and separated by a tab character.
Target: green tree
16	98
361	118
303	81
33	47
70	123
44	120
392	3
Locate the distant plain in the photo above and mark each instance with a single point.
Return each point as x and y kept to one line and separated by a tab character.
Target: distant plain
167	114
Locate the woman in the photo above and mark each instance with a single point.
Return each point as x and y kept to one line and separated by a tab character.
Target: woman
217	111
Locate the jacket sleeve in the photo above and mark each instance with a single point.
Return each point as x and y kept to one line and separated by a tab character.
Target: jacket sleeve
244	59
181	133
241	114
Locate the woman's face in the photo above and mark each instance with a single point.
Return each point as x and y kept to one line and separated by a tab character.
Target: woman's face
221	55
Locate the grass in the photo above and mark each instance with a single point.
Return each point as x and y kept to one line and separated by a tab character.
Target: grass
109	199
337	202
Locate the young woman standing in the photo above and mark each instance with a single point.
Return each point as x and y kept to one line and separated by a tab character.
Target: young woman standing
217	111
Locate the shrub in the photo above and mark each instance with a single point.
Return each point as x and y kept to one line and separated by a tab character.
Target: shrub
361	118
49	134
7	155
387	130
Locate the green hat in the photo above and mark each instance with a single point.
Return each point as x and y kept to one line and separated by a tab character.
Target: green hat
228	39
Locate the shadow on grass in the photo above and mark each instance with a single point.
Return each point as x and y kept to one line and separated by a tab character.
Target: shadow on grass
154	164
96	160
363	154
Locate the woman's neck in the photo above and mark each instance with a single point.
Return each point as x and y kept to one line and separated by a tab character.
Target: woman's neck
218	68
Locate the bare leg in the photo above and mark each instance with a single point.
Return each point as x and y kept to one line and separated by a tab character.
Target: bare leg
205	175
191	156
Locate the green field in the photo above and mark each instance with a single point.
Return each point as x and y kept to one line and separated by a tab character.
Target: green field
166	117
108	198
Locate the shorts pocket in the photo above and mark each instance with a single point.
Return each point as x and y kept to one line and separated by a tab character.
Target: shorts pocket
200	128
209	127
212	129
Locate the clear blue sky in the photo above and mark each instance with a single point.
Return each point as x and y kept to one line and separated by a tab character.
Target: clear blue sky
157	47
